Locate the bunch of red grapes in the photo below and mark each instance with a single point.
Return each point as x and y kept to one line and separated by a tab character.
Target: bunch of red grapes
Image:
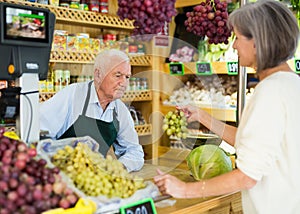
149	16
27	185
209	19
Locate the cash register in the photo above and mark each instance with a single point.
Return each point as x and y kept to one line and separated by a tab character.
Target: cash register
26	35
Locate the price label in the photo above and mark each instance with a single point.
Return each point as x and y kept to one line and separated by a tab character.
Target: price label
145	206
232	68
297	66
176	68
203	68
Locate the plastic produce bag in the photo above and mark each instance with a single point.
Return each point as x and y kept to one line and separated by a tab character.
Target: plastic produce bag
48	147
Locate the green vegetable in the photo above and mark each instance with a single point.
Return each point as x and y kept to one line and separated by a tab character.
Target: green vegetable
207	161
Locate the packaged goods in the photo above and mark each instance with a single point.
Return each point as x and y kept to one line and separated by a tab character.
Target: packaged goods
64	3
84	5
42	86
95	45
58	82
93	5
83	42
67	78
74	4
71	42
60	40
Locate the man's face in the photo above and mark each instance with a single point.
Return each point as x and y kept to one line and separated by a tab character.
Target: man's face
114	84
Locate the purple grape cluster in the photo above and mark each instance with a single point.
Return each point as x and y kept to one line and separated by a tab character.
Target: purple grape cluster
149	16
209	19
27	185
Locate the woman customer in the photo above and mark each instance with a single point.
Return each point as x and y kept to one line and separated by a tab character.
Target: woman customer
267	139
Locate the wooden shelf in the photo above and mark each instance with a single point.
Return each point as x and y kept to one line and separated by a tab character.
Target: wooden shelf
88	58
142	130
224	114
129	96
79	17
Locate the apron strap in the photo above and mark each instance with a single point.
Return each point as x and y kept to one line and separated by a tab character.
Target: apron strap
87	99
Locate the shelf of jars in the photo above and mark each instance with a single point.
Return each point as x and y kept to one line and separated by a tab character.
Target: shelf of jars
80	17
88	57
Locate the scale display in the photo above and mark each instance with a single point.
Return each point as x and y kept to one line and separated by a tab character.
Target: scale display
24	25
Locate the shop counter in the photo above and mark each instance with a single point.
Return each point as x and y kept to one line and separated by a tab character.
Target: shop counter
172	161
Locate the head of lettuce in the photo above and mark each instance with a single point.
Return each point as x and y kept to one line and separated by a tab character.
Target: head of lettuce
207	161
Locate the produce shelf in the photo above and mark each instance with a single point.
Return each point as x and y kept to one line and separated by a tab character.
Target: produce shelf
224	114
80	17
88	57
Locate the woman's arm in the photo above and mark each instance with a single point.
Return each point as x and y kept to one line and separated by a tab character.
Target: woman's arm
223	130
227	183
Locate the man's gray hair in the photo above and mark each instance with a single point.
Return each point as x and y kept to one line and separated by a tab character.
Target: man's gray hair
106	60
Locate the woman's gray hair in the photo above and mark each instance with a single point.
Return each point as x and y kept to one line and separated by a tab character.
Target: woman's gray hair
106	60
273	27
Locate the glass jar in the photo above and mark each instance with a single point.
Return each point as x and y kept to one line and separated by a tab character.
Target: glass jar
144	83
138	83
132	84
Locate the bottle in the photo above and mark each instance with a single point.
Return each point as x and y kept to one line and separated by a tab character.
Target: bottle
144	83
83	5
50	80
93	5
58	80
66	78
64	3
138	83
132	84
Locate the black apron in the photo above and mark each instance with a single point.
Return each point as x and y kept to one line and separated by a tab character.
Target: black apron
105	133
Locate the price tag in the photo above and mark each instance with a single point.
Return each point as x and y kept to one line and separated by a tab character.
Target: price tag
145	206
297	66
176	68
203	68
232	68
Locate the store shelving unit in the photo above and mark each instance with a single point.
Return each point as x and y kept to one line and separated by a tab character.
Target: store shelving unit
77	21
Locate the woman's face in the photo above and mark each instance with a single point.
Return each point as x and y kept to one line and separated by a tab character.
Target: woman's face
246	50
115	82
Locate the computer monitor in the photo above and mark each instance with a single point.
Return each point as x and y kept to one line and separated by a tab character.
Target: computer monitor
26	35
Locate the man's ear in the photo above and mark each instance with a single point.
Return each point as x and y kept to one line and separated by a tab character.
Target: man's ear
97	75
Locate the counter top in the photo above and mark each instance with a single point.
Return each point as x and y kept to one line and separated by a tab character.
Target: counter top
172	161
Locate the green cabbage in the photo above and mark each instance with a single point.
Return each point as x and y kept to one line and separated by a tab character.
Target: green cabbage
207	161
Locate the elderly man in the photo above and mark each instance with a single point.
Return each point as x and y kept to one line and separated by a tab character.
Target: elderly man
94	108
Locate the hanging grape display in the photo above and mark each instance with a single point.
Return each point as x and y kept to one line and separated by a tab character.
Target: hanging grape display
209	19
149	16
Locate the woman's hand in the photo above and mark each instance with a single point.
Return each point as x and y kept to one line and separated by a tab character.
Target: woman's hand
170	185
192	113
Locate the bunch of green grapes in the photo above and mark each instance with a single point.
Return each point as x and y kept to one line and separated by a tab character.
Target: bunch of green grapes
95	175
175	124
